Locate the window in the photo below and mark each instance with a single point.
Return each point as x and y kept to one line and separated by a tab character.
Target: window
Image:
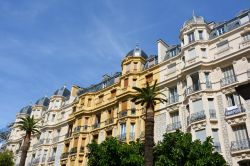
132	128
228	76
100	98
215	136
89	102
207	80
149	78
201	135
244	20
135	66
172	53
53	117
233	99
172	68
124	105
174	117
240	132
200	35
127	67
246	36
134	83
203	52
126	83
191	37
173	95
224	45
123	129
62	114
220	30
197	105
113	93
191	54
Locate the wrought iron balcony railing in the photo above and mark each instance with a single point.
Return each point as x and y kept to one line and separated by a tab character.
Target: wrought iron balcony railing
197	116
122	137
234	110
96	125
55	139
228	80
192	89
240	145
174	126
64	155
123	113
109	121
51	159
73	150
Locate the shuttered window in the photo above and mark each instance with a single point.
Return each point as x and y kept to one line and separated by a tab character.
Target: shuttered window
124	105
126	83
197	105
240	132
201	135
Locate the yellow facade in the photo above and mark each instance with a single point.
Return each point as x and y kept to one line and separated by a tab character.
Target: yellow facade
109	111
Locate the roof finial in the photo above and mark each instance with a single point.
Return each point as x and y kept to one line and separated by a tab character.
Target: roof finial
194	17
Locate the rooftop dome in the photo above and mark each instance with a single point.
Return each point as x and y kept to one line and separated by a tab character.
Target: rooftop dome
62	92
194	20
26	110
137	52
43	101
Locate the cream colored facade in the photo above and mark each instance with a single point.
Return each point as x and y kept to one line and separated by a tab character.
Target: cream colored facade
198	77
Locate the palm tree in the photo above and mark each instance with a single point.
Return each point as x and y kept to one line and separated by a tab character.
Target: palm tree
29	125
148	97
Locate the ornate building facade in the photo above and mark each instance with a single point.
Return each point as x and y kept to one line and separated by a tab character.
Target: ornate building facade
198	76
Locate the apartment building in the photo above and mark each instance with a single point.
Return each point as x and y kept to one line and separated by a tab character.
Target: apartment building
198	76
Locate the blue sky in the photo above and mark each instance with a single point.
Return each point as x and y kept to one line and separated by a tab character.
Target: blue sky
50	43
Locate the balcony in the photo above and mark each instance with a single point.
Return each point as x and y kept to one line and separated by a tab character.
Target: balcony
73	151
36	161
123	113
217	147
51	159
228	80
55	139
65	155
174	126
240	145
122	137
212	113
173	99
81	149
233	110
96	126
192	89
197	117
44	159
132	136
109	121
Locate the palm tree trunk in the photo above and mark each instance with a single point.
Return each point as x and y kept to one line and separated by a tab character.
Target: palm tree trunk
149	137
25	148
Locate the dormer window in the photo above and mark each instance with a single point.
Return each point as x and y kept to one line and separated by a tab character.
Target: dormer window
246	36
200	35
172	53
191	38
220	30
244	20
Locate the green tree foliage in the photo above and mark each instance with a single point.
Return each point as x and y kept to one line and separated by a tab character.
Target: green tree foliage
178	149
111	152
6	158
